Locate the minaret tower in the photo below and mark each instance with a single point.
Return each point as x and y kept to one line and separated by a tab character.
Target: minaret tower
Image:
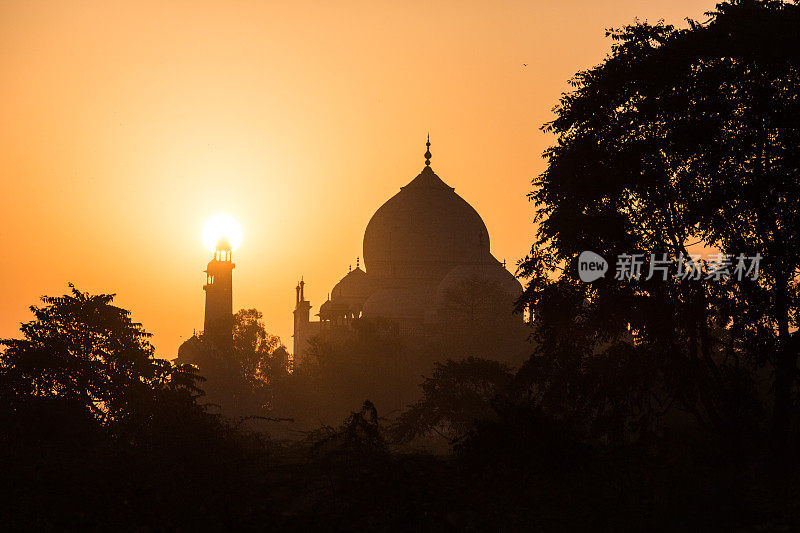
219	295
301	318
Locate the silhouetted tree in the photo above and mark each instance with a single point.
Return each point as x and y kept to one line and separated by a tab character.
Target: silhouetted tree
255	349
680	136
84	352
370	362
476	321
455	397
260	358
358	438
240	373
98	432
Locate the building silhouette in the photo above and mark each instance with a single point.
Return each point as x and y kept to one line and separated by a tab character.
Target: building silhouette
218	321
219	290
427	267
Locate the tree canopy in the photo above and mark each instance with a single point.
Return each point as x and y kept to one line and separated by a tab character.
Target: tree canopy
680	137
87	354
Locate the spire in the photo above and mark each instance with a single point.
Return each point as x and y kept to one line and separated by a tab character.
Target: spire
428	151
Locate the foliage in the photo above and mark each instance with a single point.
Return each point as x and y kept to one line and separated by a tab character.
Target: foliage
523	437
241	373
83	352
477	321
455	397
680	136
358	437
259	354
370	361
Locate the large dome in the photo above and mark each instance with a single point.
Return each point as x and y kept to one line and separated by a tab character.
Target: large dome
396	304
424	231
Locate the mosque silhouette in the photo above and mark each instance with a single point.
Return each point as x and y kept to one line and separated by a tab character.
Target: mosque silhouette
425	250
428	270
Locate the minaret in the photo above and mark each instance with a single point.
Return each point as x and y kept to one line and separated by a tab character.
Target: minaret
219	295
302	311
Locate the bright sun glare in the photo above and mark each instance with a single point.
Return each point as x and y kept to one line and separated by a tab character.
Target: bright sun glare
220	226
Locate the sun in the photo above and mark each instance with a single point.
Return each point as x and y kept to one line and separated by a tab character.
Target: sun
220	226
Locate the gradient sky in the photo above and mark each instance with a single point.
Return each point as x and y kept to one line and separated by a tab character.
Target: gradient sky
125	125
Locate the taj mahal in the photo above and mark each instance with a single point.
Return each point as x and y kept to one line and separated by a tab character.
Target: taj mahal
428	271
427	267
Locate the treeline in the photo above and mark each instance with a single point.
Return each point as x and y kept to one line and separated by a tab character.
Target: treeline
250	376
98	433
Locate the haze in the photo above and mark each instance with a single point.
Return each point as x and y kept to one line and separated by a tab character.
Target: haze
124	126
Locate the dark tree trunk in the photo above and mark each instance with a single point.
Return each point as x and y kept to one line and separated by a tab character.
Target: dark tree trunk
785	368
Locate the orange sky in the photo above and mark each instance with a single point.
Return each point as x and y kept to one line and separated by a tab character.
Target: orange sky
125	125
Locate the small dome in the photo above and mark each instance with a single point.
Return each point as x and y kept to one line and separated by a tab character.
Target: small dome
424	230
325	307
335	308
354	288
395	303
190	350
492	272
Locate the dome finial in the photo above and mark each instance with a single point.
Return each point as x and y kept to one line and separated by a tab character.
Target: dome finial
428	151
